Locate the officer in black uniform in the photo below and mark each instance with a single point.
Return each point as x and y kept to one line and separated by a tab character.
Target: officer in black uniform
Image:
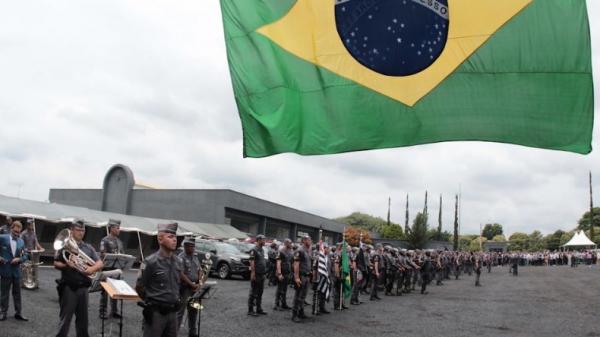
283	272
426	271
378	266
190	283
477	270
74	284
110	244
158	285
258	269
303	275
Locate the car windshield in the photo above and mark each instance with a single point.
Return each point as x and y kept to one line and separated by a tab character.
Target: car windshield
226	248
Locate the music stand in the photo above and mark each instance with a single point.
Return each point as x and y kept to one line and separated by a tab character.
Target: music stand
199	295
118	261
115	295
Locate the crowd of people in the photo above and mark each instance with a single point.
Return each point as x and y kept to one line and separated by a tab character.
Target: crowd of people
337	276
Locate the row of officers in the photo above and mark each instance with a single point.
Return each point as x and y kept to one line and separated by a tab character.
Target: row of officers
396	271
166	280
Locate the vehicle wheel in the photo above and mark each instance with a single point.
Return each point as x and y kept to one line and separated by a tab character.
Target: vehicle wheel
224	271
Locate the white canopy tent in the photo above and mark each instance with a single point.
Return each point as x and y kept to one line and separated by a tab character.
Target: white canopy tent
580	240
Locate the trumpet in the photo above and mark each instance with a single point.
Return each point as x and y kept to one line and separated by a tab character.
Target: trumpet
72	253
195	301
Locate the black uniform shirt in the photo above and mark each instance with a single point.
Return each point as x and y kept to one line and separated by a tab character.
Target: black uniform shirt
71	276
305	261
285	256
159	279
29	239
111	245
258	256
191	266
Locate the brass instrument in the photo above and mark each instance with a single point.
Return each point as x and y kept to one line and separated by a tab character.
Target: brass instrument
29	270
71	253
195	301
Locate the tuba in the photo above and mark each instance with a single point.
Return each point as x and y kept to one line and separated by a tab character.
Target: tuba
29	269
71	253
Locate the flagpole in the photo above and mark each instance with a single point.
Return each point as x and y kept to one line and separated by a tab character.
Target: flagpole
341	273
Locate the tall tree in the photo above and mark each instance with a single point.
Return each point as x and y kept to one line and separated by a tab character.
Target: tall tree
425	207
591	210
389	206
456	223
584	222
491	230
417	237
406	216
439	236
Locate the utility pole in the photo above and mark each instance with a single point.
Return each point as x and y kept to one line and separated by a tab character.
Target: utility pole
389	206
591	210
406	217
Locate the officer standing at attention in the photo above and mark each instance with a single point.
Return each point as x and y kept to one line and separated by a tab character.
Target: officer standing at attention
158	285
302	277
110	244
190	278
283	273
258	269
73	286
376	260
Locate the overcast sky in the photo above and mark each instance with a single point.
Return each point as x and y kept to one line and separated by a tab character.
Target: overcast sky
85	85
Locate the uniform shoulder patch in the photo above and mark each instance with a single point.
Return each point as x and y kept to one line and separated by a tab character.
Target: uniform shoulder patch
296	256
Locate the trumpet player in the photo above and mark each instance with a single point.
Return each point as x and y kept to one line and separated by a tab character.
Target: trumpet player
12	254
74	284
190	283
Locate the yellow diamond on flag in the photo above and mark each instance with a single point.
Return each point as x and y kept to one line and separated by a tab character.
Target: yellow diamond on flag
309	31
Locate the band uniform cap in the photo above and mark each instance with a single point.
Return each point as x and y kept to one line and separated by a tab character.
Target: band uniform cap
306	236
78	223
30	220
189	241
114	223
325	245
379	245
260	237
167	228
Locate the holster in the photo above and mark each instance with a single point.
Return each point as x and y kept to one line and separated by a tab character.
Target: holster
146	312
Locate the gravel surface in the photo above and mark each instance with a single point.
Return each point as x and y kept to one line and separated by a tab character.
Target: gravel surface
552	301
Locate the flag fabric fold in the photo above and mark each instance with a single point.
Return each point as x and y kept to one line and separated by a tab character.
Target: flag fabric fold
324	284
529	81
346	280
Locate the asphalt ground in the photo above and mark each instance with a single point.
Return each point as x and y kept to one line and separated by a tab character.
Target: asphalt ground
541	301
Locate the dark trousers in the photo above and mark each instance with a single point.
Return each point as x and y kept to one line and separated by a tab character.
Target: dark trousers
162	325
337	293
192	313
356	287
256	290
73	302
103	303
300	296
5	284
424	282
477	276
374	285
390	276
281	294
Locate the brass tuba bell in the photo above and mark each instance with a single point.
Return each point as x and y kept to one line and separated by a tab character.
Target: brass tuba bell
72	253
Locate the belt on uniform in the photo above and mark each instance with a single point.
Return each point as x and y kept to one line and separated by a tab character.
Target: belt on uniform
306	274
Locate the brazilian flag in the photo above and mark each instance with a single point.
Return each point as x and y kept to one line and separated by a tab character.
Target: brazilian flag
345	271
331	76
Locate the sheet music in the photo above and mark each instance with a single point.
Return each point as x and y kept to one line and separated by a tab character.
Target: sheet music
121	287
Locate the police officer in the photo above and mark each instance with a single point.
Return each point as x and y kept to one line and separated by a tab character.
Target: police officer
5	229
358	271
31	244
110	244
74	284
377	262
158	285
258	269
190	283
477	270
303	275
426	271
283	272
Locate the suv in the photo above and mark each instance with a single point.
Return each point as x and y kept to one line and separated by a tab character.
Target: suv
227	259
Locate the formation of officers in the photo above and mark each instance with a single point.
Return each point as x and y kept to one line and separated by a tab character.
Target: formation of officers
393	271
